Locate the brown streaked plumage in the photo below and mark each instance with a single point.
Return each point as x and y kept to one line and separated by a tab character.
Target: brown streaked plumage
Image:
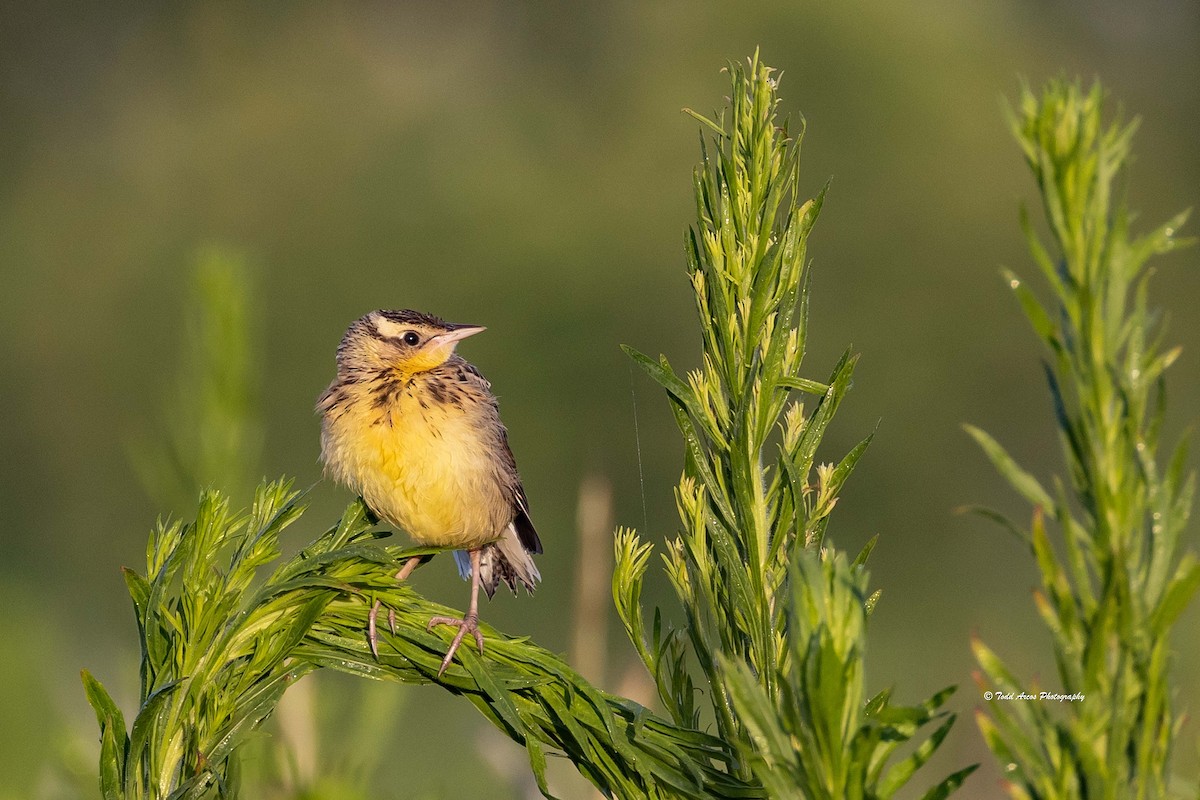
415	429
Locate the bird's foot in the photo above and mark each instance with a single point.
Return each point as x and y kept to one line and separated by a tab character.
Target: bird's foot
468	624
372	631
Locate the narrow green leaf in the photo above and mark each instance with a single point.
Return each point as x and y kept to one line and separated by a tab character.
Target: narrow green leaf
814	430
112	762
107	711
804	384
900	773
705	121
149	716
139	592
537	764
1050	270
861	559
1038	318
998	518
950	784
847	465
662	373
1180	591
1022	481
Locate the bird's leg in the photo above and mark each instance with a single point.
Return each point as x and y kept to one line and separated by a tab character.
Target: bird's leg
408	568
469	623
403	574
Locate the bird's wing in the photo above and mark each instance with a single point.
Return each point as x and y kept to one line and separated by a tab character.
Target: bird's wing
526	533
523	524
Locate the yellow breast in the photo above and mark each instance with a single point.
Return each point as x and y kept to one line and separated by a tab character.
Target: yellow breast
427	467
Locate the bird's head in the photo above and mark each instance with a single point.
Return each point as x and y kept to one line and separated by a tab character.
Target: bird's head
408	341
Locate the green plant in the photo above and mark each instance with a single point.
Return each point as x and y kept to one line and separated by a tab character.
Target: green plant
217	654
1115	576
213	436
775	616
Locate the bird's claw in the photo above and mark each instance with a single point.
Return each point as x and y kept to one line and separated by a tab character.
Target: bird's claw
372	637
372	632
468	624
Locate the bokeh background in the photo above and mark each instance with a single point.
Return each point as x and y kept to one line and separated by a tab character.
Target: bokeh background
526	166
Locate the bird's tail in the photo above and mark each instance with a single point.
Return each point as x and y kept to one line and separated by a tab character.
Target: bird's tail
505	559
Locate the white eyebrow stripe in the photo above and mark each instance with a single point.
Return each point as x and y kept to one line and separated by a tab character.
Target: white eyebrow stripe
389	329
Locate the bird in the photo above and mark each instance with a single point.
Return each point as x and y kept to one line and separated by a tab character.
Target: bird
415	430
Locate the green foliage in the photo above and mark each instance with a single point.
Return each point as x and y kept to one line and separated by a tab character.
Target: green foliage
213	436
216	656
777	633
776	616
221	643
1115	577
820	735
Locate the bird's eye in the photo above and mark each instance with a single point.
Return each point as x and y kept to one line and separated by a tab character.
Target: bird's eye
412	339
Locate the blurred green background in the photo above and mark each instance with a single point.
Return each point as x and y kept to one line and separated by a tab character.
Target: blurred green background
525	166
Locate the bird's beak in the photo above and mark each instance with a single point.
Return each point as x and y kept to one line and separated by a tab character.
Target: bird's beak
458	333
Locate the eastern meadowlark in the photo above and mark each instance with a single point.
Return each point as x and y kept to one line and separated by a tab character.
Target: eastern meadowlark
414	429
